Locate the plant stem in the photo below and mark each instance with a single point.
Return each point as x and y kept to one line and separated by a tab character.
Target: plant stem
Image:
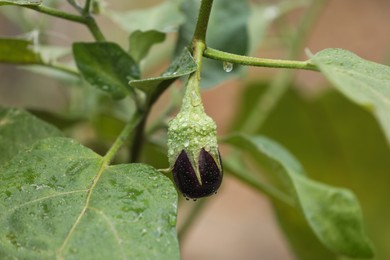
123	136
62	68
86	20
203	21
57	13
87	7
260	62
248	179
281	81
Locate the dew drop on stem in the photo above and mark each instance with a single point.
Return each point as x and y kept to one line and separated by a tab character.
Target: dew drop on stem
227	66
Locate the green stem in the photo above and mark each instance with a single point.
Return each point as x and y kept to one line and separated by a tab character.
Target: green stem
62	68
87	7
281	82
260	62
243	176
123	136
203	21
86	20
58	13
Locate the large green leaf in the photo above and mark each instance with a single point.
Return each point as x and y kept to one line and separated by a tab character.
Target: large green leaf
19	130
153	87
227	31
333	213
366	83
20	2
141	42
340	143
107	66
164	17
19	51
58	199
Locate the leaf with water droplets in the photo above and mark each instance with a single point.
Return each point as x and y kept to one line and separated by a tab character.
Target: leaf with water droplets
181	66
364	82
19	130
58	200
107	66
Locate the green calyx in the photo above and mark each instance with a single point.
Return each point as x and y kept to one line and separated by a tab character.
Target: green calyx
192	129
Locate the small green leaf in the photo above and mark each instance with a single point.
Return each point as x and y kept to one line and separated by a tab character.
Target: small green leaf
58	201
19	51
333	213
181	66
141	42
231	15
366	83
20	2
165	17
19	130
106	66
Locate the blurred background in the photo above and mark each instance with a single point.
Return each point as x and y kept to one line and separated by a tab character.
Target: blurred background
346	148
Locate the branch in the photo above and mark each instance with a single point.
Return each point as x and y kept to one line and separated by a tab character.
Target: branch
259	62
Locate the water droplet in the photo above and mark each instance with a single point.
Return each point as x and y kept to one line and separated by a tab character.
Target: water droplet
186	143
207	148
170	151
227	66
184	124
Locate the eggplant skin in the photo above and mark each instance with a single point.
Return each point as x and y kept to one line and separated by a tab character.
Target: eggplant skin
186	180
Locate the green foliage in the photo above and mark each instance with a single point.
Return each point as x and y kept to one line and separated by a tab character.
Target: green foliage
230	14
366	83
153	87
19	130
60	199
18	51
106	66
141	42
333	213
165	17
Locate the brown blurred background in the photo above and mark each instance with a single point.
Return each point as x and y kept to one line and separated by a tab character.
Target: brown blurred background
238	223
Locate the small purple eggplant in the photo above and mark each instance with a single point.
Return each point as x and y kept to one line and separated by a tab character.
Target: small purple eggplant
193	152
187	180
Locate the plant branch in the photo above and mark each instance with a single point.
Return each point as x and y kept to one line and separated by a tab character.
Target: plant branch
87	20
203	21
231	166
62	68
123	136
58	13
87	7
259	62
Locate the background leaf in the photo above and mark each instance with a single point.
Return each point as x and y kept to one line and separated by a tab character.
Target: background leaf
164	18
232	15
106	66
339	143
18	51
131	212
141	42
334	214
366	83
19	130
181	66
